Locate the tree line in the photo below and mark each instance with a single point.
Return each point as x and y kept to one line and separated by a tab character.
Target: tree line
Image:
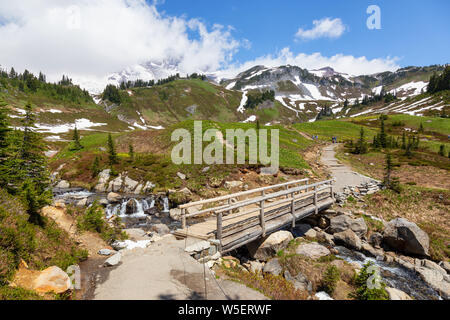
256	98
439	82
27	82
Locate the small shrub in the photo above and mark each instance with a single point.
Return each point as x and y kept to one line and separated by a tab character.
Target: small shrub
363	292
330	279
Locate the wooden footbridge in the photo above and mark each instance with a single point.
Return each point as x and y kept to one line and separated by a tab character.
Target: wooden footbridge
239	218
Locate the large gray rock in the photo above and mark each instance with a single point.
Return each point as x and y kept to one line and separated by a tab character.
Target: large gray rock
160	229
63	184
268	247
436	280
348	238
344	222
106	252
129	185
445	265
175	214
305	230
300	282
326	238
255	266
116	184
114	197
395	294
376	239
113	261
405	236
312	250
273	267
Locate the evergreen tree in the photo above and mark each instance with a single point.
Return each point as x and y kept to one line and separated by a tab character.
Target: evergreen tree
421	129
95	167
404	141
442	150
131	152
361	145
389	181
383	136
112	155
76	140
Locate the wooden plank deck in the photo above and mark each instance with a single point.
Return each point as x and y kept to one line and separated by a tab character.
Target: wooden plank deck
247	220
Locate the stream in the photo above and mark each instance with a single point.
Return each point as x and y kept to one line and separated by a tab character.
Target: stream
393	275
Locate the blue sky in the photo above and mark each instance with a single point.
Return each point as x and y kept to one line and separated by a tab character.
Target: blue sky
417	32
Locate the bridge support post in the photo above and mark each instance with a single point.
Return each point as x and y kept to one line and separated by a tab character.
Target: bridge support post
262	219
293	209
219	231
183	219
315	200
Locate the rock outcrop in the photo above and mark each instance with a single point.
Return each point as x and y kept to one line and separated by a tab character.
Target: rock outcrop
405	236
268	247
312	250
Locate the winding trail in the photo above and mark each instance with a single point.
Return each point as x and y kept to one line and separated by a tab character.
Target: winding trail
343	174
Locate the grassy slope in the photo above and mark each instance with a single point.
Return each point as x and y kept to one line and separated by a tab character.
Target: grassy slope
39	246
153	162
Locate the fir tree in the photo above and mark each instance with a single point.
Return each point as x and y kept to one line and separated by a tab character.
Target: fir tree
361	145
95	167
442	150
112	155
76	140
389	181
421	129
404	141
383	136
131	152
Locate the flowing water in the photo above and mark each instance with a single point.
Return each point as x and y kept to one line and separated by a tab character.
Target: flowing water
393	275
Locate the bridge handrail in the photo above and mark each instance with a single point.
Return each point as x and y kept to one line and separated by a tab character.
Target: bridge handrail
183	207
239	194
271	196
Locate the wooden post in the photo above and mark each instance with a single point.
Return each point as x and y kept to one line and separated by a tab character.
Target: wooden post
287	188
315	199
261	217
219	230
293	210
332	192
183	219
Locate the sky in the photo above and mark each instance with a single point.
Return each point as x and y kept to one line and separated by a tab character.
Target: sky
89	39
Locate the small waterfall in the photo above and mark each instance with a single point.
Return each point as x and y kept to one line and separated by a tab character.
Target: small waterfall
139	206
166	205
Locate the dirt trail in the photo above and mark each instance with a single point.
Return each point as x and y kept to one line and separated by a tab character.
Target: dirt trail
163	271
342	173
87	240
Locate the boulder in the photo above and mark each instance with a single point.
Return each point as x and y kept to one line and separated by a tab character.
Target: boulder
348	238
435	280
114	197
175	214
233	184
268	247
131	207
52	279
182	176
273	267
255	266
82	203
445	265
395	294
149	186
433	265
376	239
129	185
136	234
344	222
138	189
305	230
405	236
312	250
116	184
300	282
114	260
63	184
106	252
326	238
160	229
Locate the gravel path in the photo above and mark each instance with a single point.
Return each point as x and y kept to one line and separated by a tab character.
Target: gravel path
344	175
163	271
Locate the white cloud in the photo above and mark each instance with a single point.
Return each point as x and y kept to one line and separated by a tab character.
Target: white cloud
323	28
97	37
339	62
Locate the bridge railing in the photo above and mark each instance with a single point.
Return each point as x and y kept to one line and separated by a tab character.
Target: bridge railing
263	191
290	197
